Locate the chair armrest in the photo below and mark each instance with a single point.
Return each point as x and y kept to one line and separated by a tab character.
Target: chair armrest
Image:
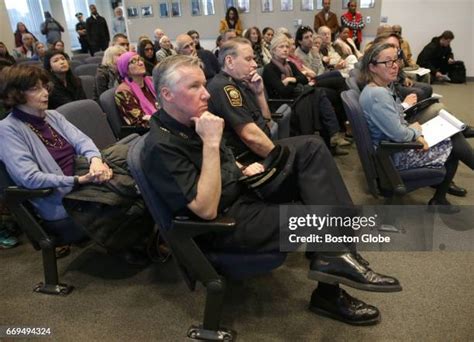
282	101
397	147
15	198
392	178
128	130
188	254
277	116
188	227
128	139
16	194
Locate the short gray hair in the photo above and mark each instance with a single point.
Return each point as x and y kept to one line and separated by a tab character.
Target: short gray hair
229	48
166	74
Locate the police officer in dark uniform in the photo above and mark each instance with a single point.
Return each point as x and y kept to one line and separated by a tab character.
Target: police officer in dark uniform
82	33
187	161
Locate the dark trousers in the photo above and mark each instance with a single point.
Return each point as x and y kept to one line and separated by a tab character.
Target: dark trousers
462	151
315	181
65	231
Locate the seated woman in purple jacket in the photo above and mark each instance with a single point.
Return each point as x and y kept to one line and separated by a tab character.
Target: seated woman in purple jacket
38	147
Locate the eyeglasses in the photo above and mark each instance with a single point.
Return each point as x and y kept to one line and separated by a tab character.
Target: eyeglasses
148	49
136	60
388	64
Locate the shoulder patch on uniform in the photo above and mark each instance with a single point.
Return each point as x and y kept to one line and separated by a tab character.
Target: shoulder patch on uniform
234	95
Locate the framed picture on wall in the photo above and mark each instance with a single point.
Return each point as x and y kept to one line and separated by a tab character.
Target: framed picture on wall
195	7
147	11
243	6
132	12
360	4
164	9
267	6
208	7
176	8
307	5
230	3
286	5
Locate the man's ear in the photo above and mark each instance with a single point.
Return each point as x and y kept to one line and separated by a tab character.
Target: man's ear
229	61
166	94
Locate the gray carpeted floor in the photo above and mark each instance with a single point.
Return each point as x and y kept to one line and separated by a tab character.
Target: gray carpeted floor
115	302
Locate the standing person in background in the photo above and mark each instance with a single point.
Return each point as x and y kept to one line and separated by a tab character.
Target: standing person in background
231	21
353	20
326	18
82	33
20	29
97	31
118	23
51	29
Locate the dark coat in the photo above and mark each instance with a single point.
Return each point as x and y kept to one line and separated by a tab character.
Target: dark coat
62	94
97	33
435	57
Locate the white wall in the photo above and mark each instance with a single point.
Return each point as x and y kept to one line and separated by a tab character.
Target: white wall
421	20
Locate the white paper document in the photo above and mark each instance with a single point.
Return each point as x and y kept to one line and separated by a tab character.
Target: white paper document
441	127
420	71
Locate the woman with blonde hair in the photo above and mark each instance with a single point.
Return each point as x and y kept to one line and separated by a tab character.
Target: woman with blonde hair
107	75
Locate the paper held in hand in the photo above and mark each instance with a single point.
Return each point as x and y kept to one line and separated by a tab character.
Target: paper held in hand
441	127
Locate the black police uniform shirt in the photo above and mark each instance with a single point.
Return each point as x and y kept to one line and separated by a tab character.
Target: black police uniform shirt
172	161
237	105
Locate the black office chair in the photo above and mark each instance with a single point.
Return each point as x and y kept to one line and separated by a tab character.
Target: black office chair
383	179
17	201
88	84
120	130
91	120
209	268
86	69
88	117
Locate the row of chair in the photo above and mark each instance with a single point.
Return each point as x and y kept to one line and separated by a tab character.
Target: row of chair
196	265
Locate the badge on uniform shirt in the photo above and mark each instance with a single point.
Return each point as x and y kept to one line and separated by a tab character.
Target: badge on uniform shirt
234	96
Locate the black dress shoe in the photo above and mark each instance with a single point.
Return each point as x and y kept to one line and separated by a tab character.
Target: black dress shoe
456	190
360	259
443	206
345	269
344	308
